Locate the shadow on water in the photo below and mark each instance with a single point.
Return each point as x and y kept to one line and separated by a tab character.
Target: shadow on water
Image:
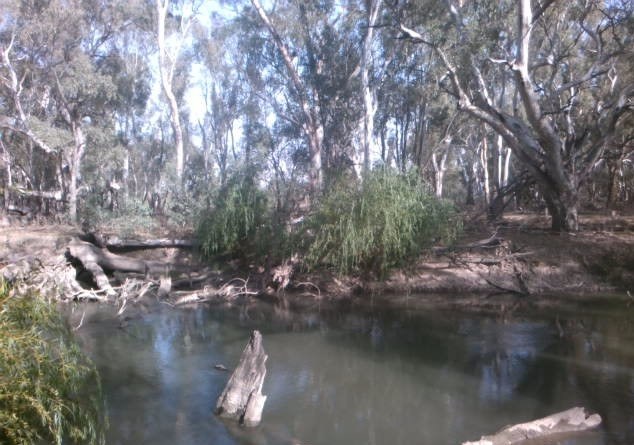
363	376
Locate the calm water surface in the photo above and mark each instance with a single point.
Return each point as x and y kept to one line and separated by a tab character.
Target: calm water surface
362	377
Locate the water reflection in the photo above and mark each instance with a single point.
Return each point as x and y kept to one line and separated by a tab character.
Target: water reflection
382	377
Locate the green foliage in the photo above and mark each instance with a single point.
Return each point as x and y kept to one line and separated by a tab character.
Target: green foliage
132	217
382	224
239	222
49	391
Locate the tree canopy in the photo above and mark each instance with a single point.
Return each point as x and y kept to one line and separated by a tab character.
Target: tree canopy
117	106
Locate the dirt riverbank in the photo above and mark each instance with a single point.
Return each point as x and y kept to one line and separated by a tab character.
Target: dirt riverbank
519	259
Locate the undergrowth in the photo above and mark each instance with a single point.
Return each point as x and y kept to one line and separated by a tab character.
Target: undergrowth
383	223
239	222
49	391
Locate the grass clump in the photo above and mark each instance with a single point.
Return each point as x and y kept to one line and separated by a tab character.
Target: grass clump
49	391
238	223
383	223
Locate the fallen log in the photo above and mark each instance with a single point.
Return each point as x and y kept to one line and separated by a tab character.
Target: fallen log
96	261
242	398
86	251
119	243
570	421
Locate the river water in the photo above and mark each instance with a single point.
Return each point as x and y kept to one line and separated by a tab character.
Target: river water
363	376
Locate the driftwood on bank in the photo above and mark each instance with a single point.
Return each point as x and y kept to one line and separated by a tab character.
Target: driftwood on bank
242	398
571	421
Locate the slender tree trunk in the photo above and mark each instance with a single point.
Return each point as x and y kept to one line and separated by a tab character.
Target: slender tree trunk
439	172
484	162
167	73
6	158
75	169
126	176
369	100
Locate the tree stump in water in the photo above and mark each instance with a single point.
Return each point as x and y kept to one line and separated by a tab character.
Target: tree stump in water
569	421
242	398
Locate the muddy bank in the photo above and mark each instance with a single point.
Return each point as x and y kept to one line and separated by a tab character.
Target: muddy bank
516	262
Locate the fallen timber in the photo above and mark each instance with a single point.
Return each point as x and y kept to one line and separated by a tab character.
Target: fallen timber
573	420
115	242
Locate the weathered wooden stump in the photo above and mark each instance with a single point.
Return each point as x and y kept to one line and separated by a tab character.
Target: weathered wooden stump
569	421
242	398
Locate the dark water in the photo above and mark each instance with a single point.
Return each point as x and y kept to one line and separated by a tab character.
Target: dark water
363	377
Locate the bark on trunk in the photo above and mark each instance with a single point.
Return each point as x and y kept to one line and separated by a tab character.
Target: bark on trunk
242	398
563	208
570	421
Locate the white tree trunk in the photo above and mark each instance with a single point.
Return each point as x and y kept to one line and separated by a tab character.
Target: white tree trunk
439	171
484	162
166	69
369	97
76	157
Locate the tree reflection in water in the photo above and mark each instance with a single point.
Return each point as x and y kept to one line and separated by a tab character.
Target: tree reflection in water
342	377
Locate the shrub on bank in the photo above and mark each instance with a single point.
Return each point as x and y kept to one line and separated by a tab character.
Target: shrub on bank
49	391
239	222
385	222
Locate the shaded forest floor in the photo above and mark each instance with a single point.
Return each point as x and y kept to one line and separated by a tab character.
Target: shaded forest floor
517	260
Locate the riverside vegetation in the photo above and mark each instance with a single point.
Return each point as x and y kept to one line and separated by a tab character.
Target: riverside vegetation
49	390
358	227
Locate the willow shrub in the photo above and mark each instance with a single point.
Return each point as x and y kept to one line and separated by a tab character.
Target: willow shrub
384	223
239	223
49	391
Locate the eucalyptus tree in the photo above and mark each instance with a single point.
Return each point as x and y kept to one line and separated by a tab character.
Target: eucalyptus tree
177	16
311	54
59	52
567	62
225	94
308	101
